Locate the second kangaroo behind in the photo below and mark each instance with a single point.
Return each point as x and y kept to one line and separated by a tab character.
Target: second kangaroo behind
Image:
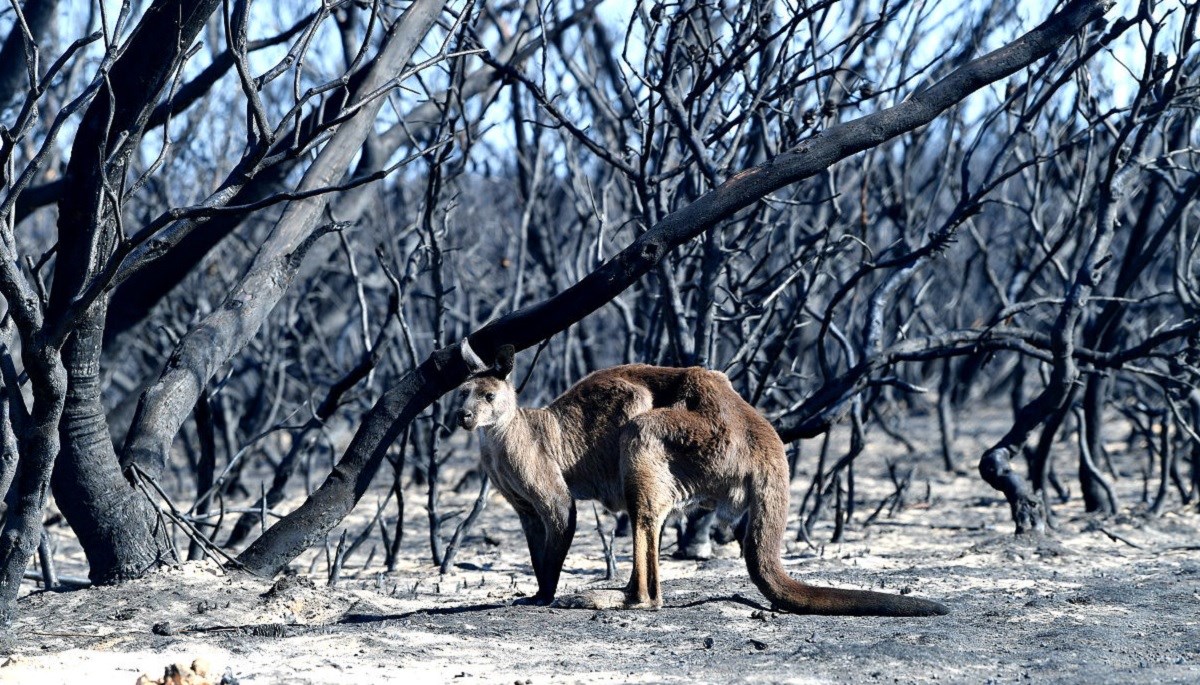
648	440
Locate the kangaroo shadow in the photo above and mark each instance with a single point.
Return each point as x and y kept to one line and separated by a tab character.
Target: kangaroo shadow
367	619
736	599
359	619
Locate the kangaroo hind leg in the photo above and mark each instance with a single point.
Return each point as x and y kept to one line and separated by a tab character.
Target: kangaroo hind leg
646	480
652	491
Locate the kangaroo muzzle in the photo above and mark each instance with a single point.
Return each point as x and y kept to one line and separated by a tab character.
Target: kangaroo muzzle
466	419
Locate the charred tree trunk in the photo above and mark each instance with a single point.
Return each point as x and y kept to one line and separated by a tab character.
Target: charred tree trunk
116	525
1096	497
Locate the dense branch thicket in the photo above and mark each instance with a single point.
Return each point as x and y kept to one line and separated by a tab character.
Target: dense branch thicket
241	242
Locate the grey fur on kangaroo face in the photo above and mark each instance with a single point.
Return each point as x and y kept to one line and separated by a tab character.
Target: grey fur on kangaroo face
648	440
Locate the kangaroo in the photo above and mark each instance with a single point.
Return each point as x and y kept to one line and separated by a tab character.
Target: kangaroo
646	440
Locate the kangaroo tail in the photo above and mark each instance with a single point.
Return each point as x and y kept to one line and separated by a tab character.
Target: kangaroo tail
764	536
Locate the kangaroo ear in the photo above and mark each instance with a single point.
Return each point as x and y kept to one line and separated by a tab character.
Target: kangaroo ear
475	365
504	361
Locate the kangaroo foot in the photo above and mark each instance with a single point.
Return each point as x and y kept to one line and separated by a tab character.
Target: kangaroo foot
645	605
534	601
699	552
604	599
593	599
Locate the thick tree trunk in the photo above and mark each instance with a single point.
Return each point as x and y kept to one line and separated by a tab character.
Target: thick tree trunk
9	454
115	523
115	119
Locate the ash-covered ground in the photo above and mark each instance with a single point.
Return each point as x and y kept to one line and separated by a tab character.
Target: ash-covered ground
1099	600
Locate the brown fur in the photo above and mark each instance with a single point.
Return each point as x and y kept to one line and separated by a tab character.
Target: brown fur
649	440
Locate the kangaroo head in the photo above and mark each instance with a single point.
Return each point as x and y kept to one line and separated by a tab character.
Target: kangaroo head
486	401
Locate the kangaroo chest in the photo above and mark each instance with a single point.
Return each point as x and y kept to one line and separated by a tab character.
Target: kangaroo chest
519	477
533	474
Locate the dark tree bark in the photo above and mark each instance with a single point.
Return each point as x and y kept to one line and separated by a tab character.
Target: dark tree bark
134	299
1028	510
110	130
38	445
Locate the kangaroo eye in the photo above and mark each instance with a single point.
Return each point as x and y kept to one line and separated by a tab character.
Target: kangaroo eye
490	396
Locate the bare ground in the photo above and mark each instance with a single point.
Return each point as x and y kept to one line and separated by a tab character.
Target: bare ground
1112	600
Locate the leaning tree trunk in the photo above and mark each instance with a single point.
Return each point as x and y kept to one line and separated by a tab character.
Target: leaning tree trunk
134	299
217	337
